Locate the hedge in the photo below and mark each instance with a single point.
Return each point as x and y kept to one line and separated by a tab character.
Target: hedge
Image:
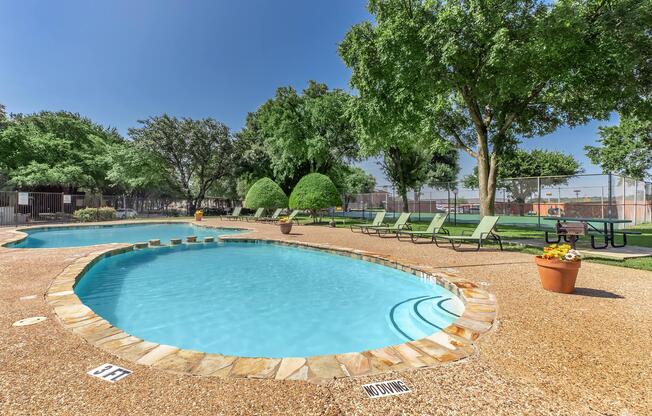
94	214
314	192
265	193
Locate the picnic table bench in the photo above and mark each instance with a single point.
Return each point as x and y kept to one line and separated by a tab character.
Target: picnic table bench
570	229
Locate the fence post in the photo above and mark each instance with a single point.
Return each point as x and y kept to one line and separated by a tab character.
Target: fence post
635	202
609	196
448	191
624	199
539	201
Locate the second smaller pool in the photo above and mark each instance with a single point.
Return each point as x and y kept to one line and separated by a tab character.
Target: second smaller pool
78	236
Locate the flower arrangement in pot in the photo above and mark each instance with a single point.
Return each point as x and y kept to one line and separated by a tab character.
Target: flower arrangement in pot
558	267
285	224
199	214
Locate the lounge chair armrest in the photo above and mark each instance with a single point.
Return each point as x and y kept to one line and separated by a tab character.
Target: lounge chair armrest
405	226
465	232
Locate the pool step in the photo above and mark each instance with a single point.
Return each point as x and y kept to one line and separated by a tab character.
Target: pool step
418	317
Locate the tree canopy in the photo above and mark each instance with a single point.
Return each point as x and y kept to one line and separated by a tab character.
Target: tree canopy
135	171
55	151
412	167
195	153
625	149
300	133
485	74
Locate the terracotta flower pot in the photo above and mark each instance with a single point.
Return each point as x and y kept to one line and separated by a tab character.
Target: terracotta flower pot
556	275
198	217
286	227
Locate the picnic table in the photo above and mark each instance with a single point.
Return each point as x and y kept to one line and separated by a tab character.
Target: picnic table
606	232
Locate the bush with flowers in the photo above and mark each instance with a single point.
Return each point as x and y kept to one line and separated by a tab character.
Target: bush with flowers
561	252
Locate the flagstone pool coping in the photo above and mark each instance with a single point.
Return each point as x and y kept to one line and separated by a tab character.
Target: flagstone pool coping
454	343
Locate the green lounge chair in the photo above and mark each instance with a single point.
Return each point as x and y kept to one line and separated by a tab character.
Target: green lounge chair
484	231
234	215
273	218
256	216
378	221
292	215
436	226
400	224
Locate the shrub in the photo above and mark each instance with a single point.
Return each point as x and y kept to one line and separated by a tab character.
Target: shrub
314	192
265	193
95	214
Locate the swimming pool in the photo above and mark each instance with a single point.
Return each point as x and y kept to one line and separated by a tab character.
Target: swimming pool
78	236
263	300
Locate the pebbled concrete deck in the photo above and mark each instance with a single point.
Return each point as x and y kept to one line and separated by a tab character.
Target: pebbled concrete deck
586	353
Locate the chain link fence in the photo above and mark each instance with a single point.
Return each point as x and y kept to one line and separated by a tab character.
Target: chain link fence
519	201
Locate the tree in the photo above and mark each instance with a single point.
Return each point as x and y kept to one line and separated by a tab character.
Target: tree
484	74
411	167
266	193
55	151
625	149
302	133
314	192
195	153
137	172
523	164
355	181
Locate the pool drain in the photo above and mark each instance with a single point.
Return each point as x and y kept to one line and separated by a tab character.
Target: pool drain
30	321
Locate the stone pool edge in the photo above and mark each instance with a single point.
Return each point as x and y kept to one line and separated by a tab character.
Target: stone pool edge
20	234
455	342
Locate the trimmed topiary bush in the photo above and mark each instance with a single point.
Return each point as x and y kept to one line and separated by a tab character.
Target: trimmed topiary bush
94	214
314	192
265	193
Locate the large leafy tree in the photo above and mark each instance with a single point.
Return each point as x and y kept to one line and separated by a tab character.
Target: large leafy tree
483	74
138	173
195	153
412	167
353	180
301	133
625	149
55	151
523	164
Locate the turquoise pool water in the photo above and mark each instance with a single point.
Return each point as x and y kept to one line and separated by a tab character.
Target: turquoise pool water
263	300
131	233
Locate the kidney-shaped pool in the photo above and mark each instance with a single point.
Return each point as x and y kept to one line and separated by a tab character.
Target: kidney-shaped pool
77	236
263	300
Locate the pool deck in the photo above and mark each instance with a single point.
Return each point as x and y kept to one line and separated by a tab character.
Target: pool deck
585	353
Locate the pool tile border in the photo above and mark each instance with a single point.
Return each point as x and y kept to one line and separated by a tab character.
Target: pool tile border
454	343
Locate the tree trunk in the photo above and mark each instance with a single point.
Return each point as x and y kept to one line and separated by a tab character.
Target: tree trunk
486	178
404	197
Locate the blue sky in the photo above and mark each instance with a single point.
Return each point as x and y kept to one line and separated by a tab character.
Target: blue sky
119	61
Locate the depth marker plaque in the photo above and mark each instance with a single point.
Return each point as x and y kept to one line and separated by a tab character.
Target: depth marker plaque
109	372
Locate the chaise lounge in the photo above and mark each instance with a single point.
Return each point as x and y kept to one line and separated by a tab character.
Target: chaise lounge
377	222
399	225
234	215
272	218
436	226
484	231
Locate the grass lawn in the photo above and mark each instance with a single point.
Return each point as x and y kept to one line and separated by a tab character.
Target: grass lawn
514	232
